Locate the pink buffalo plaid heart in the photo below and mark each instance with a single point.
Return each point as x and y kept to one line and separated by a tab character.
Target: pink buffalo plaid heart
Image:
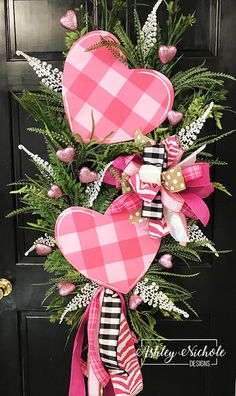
106	248
120	100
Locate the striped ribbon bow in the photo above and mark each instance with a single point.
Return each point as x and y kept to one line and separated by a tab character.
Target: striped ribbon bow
164	188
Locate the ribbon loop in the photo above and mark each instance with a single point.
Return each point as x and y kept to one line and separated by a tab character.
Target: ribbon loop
173	179
154	155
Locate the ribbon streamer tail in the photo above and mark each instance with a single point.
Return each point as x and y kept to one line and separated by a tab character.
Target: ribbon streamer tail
191	159
77	385
94	387
177	225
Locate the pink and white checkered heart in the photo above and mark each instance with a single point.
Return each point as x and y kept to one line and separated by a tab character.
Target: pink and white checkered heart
106	248
120	100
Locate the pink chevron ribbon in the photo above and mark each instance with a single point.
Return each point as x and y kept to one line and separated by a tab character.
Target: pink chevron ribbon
114	384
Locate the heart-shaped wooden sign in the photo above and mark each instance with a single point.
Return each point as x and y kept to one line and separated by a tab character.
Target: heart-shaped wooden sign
106	248
97	86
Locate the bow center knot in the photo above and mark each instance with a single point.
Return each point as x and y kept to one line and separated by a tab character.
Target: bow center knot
150	174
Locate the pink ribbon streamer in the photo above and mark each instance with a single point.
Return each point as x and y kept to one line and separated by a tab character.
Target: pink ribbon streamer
79	367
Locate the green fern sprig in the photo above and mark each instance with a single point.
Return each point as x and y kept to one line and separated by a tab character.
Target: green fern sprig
128	48
182	252
199	77
17	212
210	139
212	162
221	187
112	46
139	38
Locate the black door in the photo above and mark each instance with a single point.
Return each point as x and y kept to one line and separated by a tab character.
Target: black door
33	358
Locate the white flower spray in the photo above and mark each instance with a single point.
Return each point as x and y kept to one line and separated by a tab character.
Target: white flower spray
189	134
152	296
149	31
93	188
50	77
196	235
43	165
82	299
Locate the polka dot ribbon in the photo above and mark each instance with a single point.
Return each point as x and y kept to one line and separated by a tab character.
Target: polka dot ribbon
173	179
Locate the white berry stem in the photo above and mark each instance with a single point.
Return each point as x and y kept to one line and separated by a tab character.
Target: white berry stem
152	296
82	299
189	134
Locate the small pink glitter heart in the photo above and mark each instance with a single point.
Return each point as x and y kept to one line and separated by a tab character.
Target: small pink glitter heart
55	191
87	176
66	155
174	117
65	288
166	53
69	20
42	250
166	260
134	301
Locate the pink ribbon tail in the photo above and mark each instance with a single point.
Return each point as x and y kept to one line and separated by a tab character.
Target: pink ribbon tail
78	366
77	386
98	376
197	206
94	387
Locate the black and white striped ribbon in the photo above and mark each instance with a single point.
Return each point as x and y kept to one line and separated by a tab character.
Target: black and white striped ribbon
109	330
154	155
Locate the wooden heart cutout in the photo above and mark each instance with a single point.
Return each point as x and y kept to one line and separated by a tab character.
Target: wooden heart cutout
106	248
120	100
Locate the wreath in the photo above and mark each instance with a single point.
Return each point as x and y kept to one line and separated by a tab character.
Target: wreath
121	195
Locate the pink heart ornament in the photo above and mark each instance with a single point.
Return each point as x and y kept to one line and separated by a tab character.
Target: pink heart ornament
55	191
174	117
65	288
106	248
66	155
69	20
87	176
166	260
166	53
134	301
97	86
42	250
